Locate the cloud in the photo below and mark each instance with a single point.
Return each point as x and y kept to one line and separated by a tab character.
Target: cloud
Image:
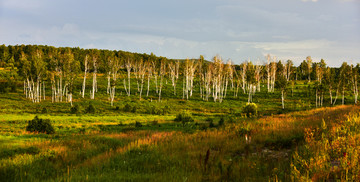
314	1
20	5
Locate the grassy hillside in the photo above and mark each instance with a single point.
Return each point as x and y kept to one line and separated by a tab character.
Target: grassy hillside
139	139
162	151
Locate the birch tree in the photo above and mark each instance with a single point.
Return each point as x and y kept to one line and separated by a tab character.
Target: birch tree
115	63
355	81
257	76
268	66
174	73
71	68
128	65
189	73
37	73
281	82
142	66
308	66
86	70
251	81
162	72
243	70
95	57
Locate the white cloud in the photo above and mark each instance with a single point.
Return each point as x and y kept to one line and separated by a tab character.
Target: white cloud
21	5
310	1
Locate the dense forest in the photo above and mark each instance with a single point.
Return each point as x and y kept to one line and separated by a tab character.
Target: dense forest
37	67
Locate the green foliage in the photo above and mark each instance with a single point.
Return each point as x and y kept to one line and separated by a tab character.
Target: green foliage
155	122
44	110
91	109
133	110
3	86
250	110
211	124
138	124
244	130
127	108
166	110
222	121
76	109
184	117
40	125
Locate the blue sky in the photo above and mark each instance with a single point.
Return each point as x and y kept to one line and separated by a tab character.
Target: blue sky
235	29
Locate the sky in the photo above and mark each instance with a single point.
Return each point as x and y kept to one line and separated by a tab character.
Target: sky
239	30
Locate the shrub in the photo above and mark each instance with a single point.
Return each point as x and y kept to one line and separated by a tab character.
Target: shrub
3	86
211	124
138	124
127	108
250	110
209	120
153	110
75	109
222	121
40	125
155	122
91	109
133	110
230	119
166	110
44	110
13	86
184	117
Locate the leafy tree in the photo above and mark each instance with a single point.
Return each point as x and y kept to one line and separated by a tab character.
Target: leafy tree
281	82
309	68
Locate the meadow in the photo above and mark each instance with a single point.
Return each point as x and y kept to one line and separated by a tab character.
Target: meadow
138	140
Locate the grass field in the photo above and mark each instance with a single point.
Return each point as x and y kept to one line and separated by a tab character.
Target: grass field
286	145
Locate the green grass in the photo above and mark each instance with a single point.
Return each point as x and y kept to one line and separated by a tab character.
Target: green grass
108	146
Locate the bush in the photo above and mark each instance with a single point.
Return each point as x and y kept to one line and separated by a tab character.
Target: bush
40	125
75	109
230	119
155	122
222	121
209	120
184	117
133	110
91	109
127	108
250	110
3	86
211	124
153	110
166	110
138	124
44	110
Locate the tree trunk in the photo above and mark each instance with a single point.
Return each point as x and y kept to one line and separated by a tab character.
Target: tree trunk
331	100
84	84
282	99
94	85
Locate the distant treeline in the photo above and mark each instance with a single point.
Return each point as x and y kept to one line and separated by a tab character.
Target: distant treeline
12	54
37	65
